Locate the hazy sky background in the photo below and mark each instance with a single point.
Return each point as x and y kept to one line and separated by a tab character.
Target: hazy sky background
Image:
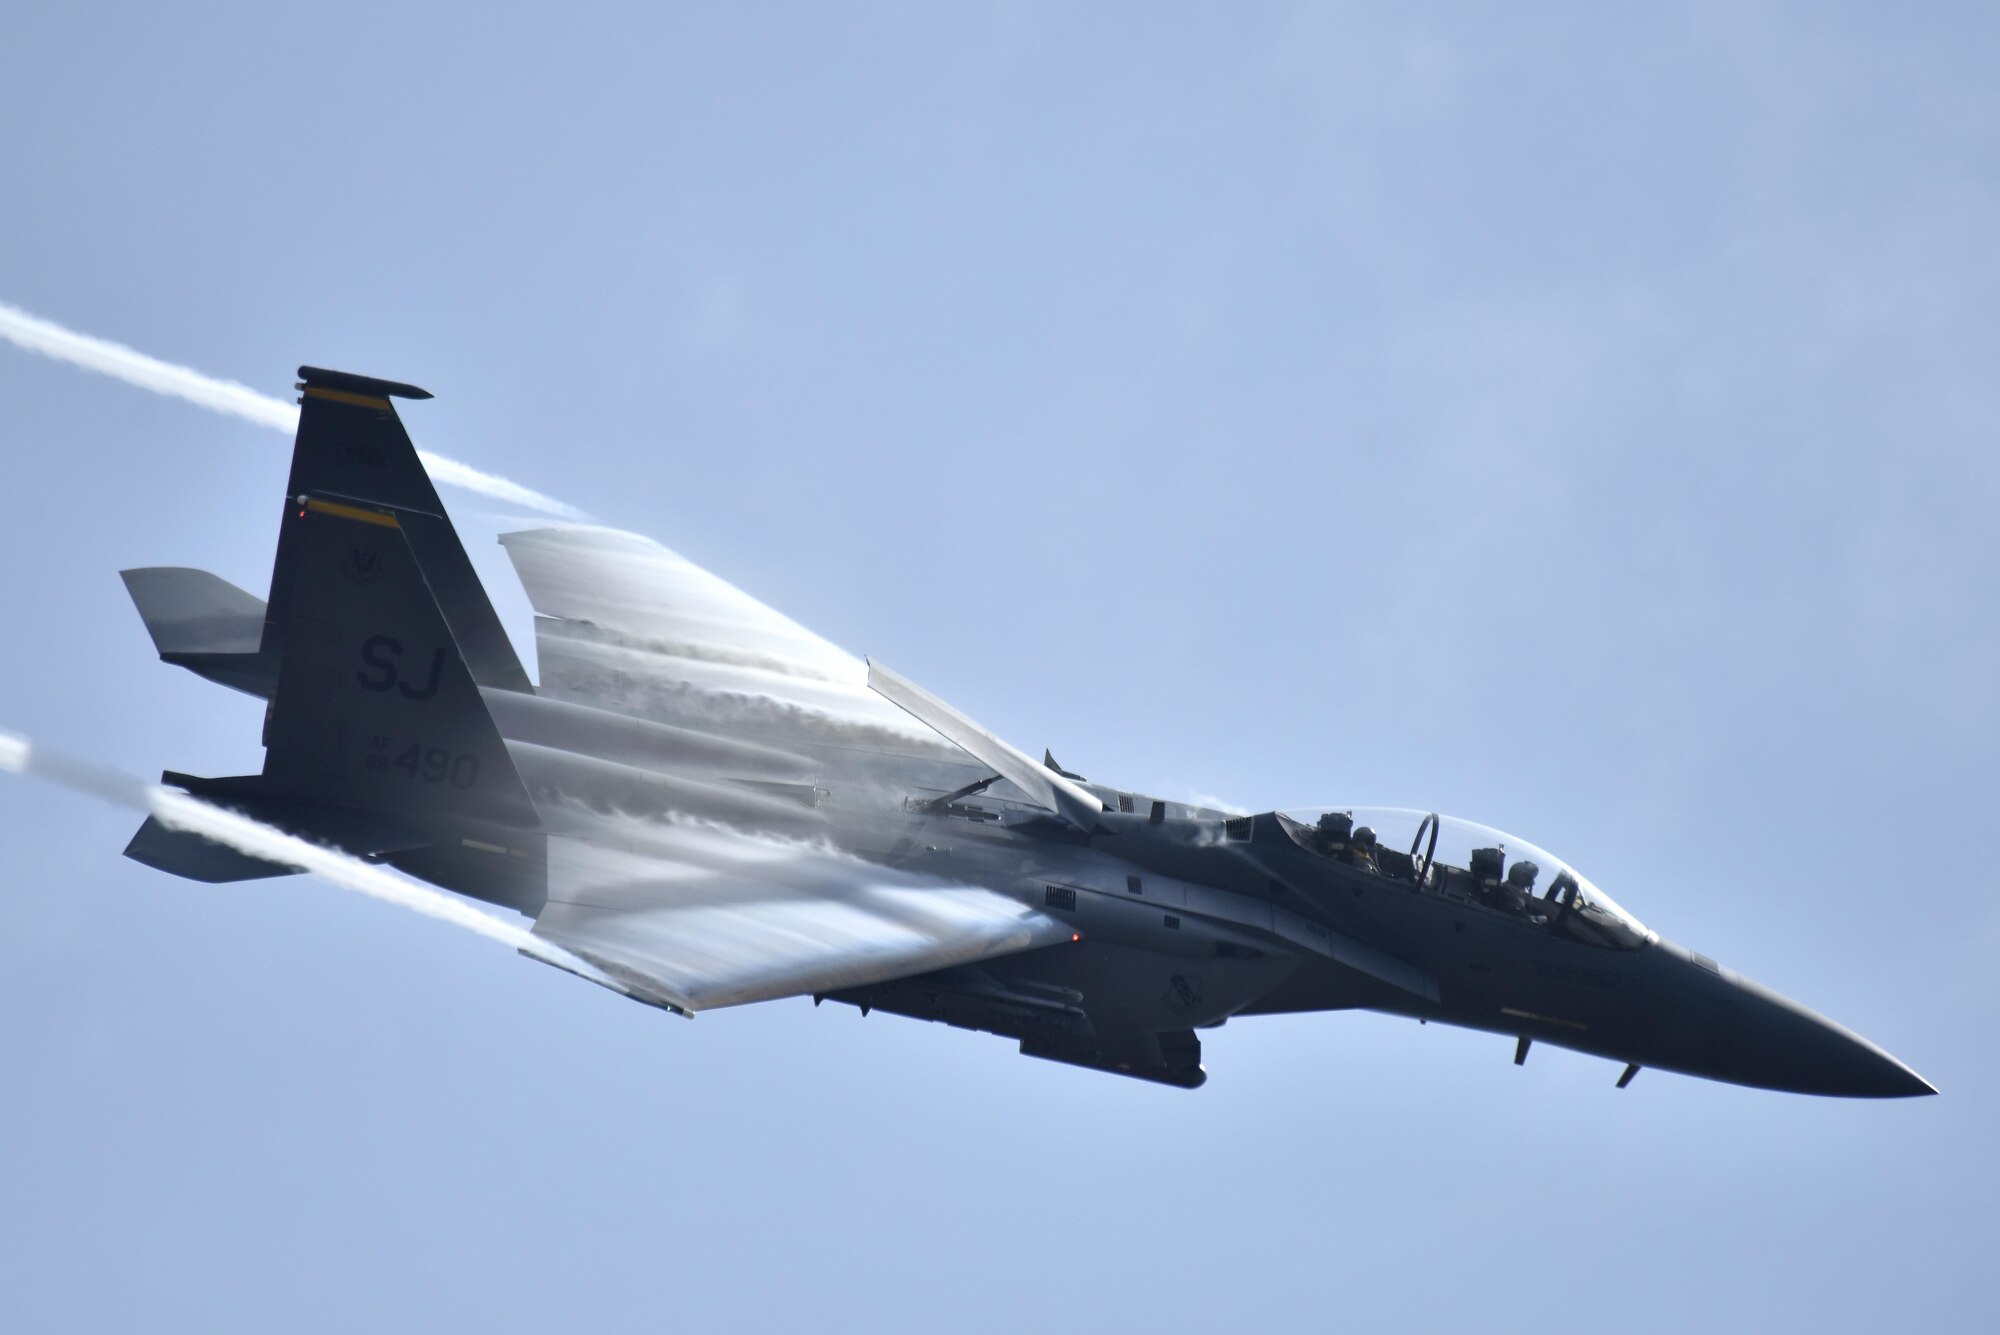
1575	420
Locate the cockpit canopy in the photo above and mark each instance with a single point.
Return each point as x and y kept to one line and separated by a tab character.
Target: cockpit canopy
1475	864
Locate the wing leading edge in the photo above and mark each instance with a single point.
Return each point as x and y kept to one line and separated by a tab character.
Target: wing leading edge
1046	787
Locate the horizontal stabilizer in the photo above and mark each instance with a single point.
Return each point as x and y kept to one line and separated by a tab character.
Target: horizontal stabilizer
193	612
275	801
1043	786
205	624
185	853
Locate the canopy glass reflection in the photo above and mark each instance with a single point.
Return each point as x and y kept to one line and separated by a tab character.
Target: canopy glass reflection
1472	863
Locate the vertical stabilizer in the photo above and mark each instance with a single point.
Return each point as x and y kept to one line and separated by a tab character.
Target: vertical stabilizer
352	447
375	706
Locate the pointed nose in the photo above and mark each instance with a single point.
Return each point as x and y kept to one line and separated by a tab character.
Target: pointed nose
1783	1045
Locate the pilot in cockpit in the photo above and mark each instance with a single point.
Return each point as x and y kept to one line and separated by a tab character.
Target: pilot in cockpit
1361	849
1520	886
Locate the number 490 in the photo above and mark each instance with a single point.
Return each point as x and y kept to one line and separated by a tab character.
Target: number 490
434	764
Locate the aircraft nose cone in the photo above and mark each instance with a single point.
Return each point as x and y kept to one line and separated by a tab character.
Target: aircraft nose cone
1783	1045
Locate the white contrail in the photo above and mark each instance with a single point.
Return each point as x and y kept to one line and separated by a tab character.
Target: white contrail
227	396
136	368
455	474
182	812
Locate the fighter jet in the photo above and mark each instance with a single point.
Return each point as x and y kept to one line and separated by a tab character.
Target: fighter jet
710	806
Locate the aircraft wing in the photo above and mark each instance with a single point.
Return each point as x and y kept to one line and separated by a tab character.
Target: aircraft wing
689	914
694	916
623	623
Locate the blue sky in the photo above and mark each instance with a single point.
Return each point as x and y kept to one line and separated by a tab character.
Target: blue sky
1579	422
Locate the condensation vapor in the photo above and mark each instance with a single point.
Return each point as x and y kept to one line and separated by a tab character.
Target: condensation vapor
708	915
628	624
237	400
182	812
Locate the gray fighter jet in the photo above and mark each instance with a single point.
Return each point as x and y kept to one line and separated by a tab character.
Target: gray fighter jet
711	806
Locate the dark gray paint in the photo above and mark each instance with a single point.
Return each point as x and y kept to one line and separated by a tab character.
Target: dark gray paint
365	660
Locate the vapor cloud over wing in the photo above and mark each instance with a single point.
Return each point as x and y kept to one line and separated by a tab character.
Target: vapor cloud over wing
227	396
